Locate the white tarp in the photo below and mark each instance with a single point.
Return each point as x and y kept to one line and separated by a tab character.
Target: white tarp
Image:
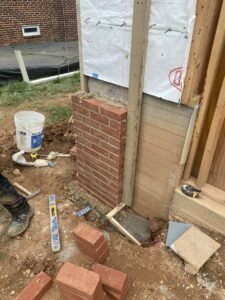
106	40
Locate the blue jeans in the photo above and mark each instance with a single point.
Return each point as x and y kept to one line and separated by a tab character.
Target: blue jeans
9	197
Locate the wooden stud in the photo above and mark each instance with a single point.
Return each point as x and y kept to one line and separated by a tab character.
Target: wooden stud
201	46
83	78
135	94
214	64
213	138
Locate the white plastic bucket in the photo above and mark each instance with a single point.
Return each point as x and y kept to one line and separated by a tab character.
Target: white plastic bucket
29	130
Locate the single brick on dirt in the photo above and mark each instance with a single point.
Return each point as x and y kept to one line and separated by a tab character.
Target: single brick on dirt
91	241
101	135
36	288
77	283
115	282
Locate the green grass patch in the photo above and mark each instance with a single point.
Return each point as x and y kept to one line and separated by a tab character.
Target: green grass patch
2	256
58	113
16	93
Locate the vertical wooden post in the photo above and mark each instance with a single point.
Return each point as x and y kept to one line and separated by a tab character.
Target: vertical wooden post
214	63
83	78
211	144
135	94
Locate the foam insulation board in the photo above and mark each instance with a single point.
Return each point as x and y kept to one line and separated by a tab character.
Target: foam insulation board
106	28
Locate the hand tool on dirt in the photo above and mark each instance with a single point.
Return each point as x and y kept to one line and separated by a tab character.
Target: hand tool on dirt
190	191
83	211
39	163
54	225
51	156
29	195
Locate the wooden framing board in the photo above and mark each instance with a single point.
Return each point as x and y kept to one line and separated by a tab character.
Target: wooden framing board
214	64
83	78
141	20
210	148
204	30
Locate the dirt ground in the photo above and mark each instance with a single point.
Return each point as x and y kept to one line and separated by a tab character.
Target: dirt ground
154	272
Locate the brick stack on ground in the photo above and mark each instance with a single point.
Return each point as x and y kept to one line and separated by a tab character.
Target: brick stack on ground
36	288
100	145
115	283
91	242
78	283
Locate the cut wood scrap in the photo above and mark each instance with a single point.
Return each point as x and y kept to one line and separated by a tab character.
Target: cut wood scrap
117	209
110	217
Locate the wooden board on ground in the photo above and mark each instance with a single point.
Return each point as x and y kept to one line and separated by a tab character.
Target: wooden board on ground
195	247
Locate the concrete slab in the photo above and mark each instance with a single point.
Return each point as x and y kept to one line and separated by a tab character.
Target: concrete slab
40	54
195	247
135	225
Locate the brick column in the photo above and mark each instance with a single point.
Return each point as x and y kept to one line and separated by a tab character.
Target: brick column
101	131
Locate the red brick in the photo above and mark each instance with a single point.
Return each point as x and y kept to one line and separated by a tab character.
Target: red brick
90	122
81	110
77	116
99	118
100	149
114	282
111	132
68	295
36	288
114	124
93	104
79	282
85	232
91	242
81	126
115	113
110	148
99	256
100	135
91	138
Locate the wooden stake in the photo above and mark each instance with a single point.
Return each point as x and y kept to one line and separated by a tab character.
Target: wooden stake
83	78
214	64
214	133
135	94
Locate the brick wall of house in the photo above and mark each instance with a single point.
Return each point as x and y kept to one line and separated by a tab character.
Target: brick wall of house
56	18
100	145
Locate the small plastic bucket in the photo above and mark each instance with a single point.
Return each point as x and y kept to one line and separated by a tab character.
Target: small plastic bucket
29	130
